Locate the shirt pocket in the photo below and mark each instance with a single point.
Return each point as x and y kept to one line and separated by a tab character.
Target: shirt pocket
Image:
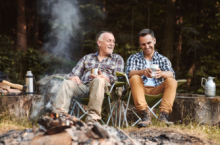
89	65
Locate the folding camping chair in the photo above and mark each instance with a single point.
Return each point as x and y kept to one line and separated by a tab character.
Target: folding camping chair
152	100
78	102
118	102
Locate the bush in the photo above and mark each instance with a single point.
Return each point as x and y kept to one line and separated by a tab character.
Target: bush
16	63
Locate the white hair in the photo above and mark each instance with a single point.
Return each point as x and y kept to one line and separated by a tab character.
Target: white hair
101	37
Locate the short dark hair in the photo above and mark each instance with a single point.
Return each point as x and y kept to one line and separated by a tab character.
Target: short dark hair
145	32
100	33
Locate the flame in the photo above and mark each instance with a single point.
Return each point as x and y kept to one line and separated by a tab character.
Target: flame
57	115
51	114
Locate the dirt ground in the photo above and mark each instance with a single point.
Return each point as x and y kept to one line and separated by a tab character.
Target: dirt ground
152	135
161	135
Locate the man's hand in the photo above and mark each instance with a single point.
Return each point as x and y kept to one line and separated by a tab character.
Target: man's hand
100	75
75	79
147	72
158	73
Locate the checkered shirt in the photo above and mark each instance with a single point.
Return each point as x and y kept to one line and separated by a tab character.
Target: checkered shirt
137	62
108	66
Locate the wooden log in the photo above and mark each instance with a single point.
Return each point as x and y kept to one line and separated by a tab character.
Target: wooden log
10	92
3	86
198	108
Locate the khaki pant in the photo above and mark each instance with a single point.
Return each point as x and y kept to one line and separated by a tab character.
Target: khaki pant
138	90
95	90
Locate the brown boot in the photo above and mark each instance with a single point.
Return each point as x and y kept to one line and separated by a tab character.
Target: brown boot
163	118
145	119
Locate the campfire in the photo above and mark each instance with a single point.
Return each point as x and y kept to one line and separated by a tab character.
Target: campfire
63	129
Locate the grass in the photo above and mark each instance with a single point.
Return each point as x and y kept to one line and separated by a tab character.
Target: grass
8	122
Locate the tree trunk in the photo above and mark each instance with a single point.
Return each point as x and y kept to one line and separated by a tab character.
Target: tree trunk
190	74
148	15
179	46
36	27
169	26
103	5
21	42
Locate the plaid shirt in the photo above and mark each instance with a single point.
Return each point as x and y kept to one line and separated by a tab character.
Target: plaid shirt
108	66
137	62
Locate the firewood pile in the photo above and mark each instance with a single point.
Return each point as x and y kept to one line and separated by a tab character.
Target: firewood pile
64	129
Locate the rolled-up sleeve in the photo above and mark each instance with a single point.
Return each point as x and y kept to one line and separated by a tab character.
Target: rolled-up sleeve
167	66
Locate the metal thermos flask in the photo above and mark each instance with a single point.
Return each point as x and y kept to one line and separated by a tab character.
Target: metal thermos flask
210	87
29	82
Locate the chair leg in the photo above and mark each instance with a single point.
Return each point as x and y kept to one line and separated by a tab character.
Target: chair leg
109	101
102	122
80	107
125	117
119	121
128	103
125	112
139	119
116	113
72	111
78	111
151	109
111	113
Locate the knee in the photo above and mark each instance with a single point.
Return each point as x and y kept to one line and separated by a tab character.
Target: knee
68	84
65	83
171	81
135	79
98	80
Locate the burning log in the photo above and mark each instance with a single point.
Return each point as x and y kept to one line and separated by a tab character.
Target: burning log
57	119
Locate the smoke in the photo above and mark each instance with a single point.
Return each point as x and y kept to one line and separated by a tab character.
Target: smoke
62	20
55	85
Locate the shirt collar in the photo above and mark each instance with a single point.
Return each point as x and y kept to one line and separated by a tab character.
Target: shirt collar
155	56
97	53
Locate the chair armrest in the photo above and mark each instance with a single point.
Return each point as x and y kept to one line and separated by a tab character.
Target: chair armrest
119	84
180	82
59	77
122	74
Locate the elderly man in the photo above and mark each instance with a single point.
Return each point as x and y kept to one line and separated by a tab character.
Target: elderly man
142	82
82	83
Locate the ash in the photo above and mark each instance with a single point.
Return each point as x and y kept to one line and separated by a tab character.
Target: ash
61	128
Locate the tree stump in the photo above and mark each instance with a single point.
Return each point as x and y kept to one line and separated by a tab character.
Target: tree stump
193	107
22	106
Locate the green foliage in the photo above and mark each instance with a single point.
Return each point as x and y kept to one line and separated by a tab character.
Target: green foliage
16	63
210	66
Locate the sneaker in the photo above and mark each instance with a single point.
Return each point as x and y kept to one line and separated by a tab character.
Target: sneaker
163	118
145	119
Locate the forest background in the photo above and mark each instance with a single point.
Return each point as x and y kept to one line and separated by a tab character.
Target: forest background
50	36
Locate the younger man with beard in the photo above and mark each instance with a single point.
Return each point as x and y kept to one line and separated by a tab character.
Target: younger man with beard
141	81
